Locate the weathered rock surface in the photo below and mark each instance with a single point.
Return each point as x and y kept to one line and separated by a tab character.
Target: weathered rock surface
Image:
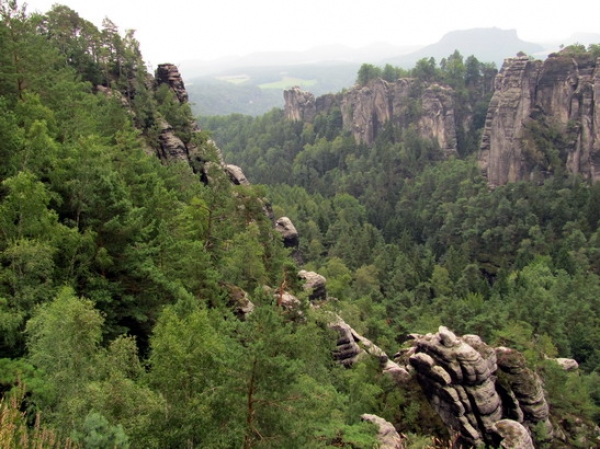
169	74
513	435
366	110
567	364
351	346
526	388
236	175
171	147
300	106
288	232
460	378
558	94
388	436
314	283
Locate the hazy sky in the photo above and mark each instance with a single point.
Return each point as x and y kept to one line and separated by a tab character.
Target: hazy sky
180	30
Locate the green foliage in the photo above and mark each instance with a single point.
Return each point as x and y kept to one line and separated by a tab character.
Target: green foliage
115	269
366	73
97	433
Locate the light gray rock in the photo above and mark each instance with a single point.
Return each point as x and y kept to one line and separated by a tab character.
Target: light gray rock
288	231
367	109
513	435
314	284
236	175
567	364
300	106
388	436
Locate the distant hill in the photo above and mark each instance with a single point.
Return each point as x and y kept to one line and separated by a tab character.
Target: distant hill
324	55
486	44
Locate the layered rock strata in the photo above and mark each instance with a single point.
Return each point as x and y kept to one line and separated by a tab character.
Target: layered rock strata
460	377
351	346
557	96
169	74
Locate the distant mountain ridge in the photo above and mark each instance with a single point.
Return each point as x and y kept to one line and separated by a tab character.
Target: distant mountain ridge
486	44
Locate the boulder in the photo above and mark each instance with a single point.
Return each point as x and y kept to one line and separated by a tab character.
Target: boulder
567	364
288	232
513	435
387	435
314	284
236	175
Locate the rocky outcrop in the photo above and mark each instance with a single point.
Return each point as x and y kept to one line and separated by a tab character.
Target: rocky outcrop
481	393
523	390
171	147
236	175
534	102
387	435
169	74
300	106
366	110
567	364
512	435
288	232
314	284
351	346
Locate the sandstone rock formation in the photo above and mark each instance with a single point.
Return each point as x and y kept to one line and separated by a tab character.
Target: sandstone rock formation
512	435
482	393
236	175
169	74
366	110
387	435
351	346
558	95
288	232
314	284
567	364
300	106
171	147
524	398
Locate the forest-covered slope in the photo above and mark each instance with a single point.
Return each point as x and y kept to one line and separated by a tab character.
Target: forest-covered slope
148	300
415	236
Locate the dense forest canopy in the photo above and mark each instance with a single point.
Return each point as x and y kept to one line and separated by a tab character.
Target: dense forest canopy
415	239
119	270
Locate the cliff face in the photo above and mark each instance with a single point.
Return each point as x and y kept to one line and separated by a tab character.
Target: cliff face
541	111
366	110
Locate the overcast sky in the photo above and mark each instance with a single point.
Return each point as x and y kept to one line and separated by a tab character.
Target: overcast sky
179	30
